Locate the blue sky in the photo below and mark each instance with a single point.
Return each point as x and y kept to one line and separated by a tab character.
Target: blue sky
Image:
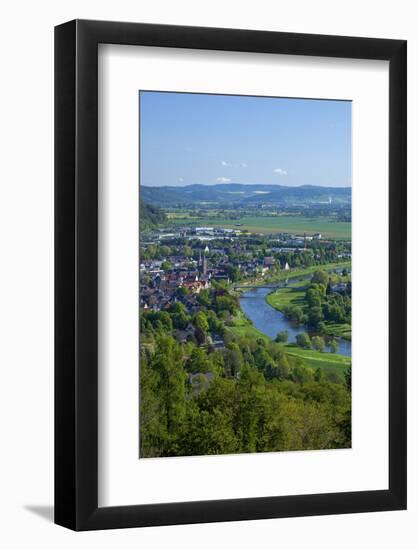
209	139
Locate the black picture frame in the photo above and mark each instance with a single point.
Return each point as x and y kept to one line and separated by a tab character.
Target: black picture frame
76	272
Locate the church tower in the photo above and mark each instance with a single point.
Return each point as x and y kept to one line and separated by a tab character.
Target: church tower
202	262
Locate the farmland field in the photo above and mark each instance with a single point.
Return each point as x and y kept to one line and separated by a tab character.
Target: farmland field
327	226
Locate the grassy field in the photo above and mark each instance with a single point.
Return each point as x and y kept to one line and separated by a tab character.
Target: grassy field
243	327
247	331
272	224
342	330
283	297
329	362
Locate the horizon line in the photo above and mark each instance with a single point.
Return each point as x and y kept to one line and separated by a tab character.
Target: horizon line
237	183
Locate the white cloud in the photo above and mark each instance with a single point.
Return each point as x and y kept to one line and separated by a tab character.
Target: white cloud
223	180
181	180
231	165
280	171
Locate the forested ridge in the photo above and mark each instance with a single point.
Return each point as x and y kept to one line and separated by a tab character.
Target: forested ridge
150	216
247	396
236	194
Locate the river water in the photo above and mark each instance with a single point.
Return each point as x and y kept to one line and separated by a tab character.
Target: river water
271	321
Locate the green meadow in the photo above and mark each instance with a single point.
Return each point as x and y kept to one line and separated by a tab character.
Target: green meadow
242	327
290	295
331	363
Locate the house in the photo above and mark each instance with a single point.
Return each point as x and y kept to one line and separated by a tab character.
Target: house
183	336
217	341
221	277
196	286
191	303
340	288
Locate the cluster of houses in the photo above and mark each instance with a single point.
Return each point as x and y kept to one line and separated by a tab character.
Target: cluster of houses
183	282
185	277
159	289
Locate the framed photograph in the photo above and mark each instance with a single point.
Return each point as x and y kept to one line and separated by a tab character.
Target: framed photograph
230	247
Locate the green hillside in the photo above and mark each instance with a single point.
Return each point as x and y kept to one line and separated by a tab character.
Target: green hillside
150	216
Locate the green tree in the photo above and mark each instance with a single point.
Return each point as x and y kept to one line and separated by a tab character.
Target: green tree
209	427
348	378
313	296
294	313
182	291
320	277
168	365
302	374
264	362
165	251
318	375
233	359
198	361
204	298
334	345
318	343
179	315
234	273
187	251
200	321
282	337
153	430
226	302
303	340
315	316
215	325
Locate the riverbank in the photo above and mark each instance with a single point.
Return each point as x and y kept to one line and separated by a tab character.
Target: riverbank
269	321
294	295
292	274
334	365
242	327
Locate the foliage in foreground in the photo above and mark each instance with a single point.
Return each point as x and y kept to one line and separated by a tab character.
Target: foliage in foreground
251	397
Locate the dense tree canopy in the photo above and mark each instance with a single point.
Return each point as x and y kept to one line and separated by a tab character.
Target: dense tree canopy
250	396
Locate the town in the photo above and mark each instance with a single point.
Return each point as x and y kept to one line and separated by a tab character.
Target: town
245	286
216	323
176	264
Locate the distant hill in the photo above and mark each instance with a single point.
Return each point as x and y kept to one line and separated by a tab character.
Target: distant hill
150	216
237	194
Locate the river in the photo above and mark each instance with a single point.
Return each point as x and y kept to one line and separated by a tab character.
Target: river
271	321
